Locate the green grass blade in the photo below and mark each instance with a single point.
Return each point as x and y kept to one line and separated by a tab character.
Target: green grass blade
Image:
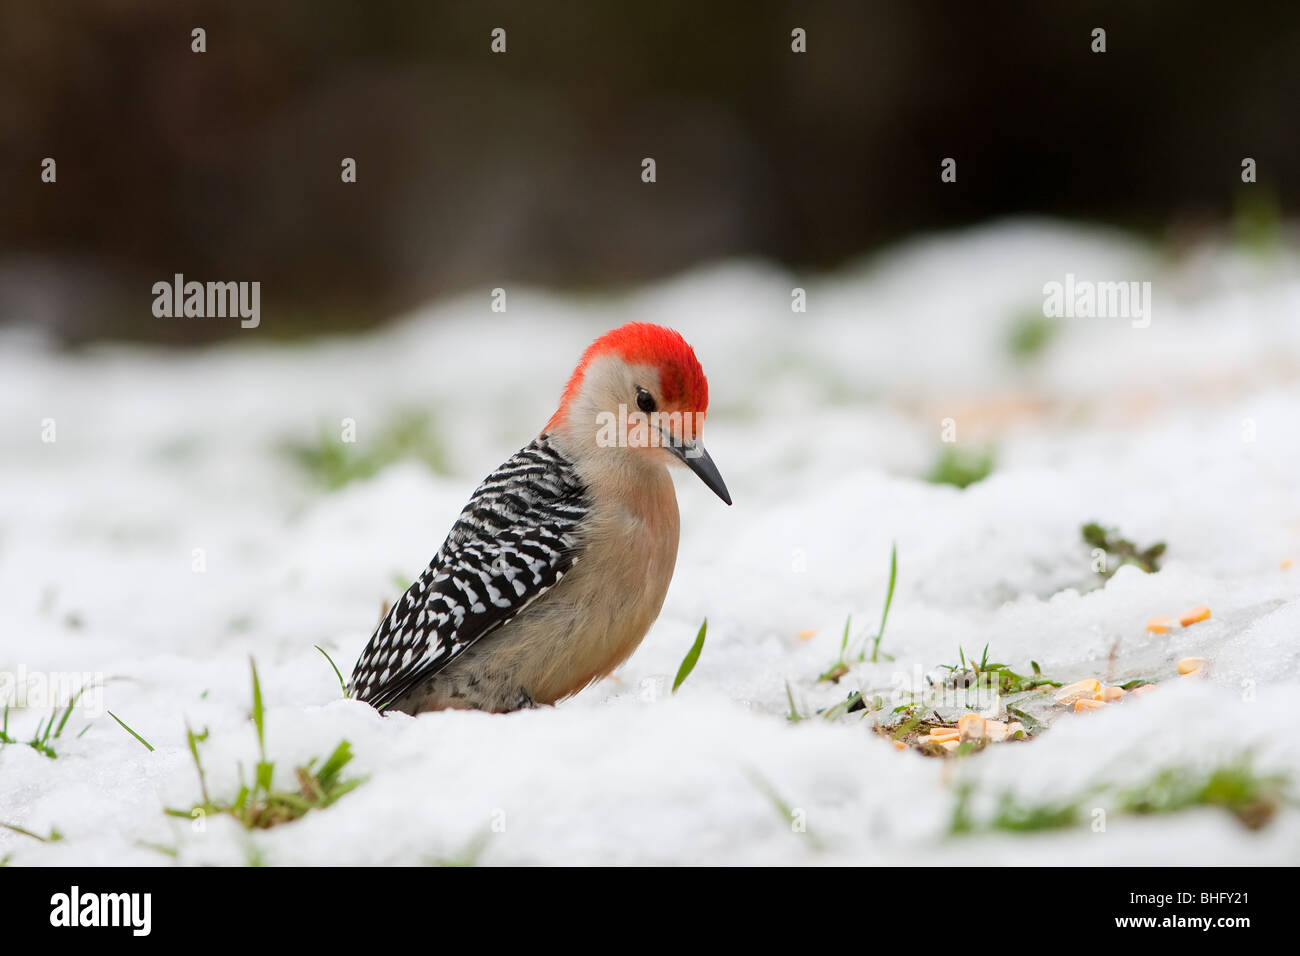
889	600
194	740
346	787
693	655
336	762
794	714
68	713
171	851
259	711
343	685
54	836
123	725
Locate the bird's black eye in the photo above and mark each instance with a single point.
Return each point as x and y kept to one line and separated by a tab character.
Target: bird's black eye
644	400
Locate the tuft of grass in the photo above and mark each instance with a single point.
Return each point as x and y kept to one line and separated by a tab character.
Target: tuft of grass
912	716
171	851
467	856
333	463
261	805
343	685
47	731
1007	681
854	703
783	808
1257	220
123	725
960	467
1013	816
1108	540
841	665
1030	335
1236	787
793	716
693	655
254	855
54	835
1033	726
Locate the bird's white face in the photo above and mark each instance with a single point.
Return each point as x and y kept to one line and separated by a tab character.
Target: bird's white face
621	412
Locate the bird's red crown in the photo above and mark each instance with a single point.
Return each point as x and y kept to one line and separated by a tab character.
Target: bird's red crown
682	383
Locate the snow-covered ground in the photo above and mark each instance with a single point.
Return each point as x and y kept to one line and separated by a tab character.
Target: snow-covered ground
165	536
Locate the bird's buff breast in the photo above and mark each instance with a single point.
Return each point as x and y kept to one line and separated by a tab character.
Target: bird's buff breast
593	620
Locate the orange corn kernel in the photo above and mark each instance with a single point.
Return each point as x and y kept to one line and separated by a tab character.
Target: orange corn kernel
972	727
1189	618
1191	665
1086	689
1112	693
1160	624
996	730
1142	689
1089	704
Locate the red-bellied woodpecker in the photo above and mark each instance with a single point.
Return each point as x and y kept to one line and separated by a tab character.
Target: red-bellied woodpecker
559	564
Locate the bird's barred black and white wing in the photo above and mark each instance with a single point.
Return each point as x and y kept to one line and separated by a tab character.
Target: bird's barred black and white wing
515	539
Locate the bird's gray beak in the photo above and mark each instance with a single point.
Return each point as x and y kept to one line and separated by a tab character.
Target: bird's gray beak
692	453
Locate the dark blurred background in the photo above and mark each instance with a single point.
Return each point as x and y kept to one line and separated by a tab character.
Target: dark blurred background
477	170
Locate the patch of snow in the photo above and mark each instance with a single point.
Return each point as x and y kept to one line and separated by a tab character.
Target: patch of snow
824	425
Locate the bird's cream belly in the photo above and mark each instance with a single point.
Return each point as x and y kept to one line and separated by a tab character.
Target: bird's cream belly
593	620
587	626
